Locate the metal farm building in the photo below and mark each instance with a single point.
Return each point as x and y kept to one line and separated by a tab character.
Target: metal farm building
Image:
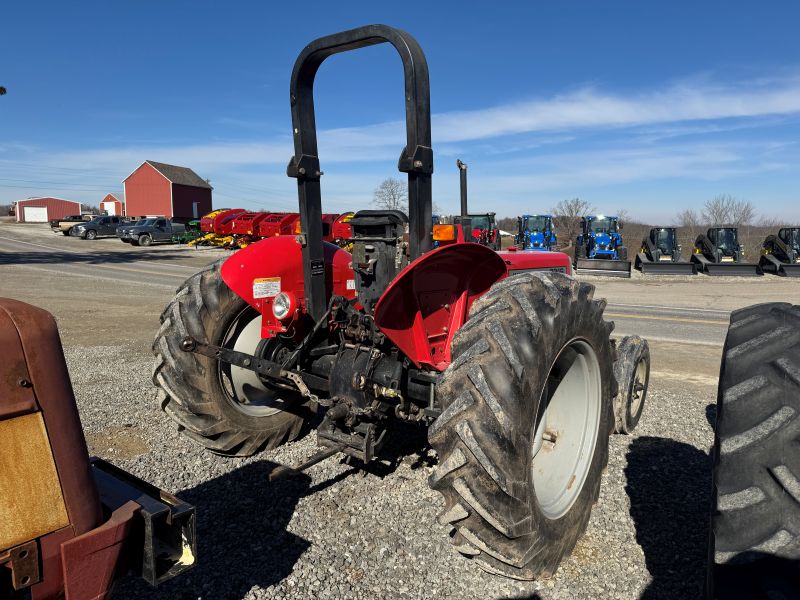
42	210
158	189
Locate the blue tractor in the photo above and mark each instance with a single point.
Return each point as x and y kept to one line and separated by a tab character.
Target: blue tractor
599	248
535	232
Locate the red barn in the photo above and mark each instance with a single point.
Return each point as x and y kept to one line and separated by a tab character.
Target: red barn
42	210
158	189
112	205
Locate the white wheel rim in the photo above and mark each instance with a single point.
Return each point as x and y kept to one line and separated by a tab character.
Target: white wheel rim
637	387
249	393
565	438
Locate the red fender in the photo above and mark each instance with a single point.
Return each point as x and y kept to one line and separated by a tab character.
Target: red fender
521	261
429	300
260	271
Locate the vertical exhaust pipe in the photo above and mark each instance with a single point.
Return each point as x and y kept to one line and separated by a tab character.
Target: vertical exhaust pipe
462	168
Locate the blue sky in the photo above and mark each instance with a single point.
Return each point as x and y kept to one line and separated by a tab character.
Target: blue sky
639	106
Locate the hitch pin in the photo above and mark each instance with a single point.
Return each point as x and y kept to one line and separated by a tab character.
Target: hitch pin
286	470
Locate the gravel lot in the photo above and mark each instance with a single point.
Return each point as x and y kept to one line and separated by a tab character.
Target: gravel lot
343	532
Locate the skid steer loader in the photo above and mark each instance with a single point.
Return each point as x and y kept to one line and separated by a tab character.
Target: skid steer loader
660	254
503	356
718	252
780	254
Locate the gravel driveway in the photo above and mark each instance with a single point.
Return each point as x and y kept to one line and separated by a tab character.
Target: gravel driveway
342	532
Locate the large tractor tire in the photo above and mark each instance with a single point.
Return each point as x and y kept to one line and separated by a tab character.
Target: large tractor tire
225	408
755	537
523	435
632	372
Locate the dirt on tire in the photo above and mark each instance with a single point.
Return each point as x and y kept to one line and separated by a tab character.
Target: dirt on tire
191	391
490	396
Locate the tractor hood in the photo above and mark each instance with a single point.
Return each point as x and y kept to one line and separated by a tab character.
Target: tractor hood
536	239
602	239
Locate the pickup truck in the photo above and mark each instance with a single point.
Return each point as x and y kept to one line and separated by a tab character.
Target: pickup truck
99	226
147	231
64	225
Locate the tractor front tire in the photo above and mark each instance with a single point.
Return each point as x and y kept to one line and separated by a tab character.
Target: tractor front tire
226	409
755	537
526	415
632	371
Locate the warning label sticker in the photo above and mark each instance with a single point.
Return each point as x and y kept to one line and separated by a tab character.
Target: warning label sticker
351	284
266	287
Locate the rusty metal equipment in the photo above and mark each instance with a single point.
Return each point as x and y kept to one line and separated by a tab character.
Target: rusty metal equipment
70	526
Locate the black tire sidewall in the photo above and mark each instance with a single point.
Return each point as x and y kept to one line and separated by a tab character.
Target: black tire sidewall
145	240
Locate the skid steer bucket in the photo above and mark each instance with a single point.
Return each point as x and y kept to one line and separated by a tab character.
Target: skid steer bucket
772	265
599	266
664	267
728	269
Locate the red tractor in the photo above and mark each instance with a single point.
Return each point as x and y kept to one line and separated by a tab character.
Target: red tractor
504	356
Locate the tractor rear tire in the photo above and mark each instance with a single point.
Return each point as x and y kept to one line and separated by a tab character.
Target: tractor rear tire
530	334
755	536
632	371
200	393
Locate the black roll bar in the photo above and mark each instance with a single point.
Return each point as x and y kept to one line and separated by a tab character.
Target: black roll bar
416	158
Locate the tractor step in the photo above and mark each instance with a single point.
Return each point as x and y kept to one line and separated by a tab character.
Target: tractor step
601	266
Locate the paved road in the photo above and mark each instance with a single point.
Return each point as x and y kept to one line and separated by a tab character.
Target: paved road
699	326
109	260
167	267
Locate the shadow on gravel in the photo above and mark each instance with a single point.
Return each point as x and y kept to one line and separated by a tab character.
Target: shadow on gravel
242	537
242	519
669	486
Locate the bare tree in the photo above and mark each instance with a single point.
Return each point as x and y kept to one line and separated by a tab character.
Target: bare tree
391	194
624	216
567	217
88	209
771	223
690	227
725	209
742	213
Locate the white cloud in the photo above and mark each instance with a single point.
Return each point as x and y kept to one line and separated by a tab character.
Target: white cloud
693	112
